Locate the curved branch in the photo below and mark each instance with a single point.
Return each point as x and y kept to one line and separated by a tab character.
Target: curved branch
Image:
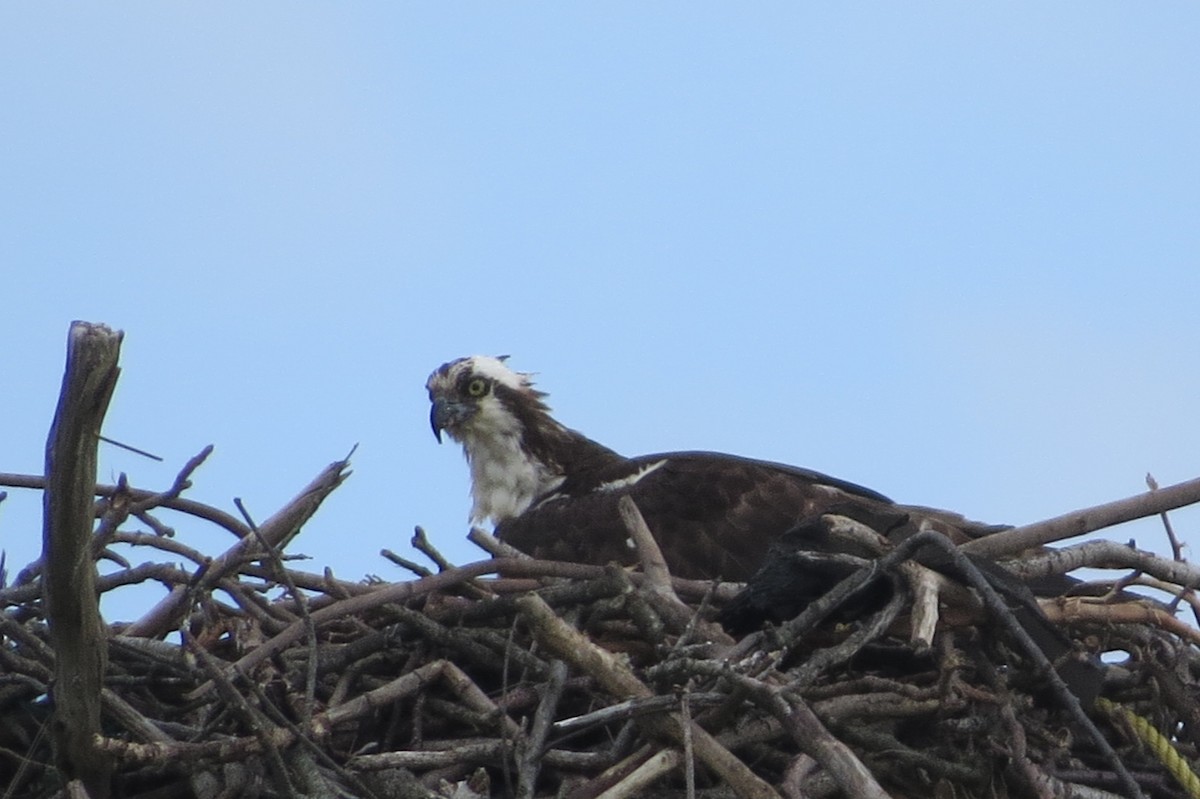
164	500
1105	555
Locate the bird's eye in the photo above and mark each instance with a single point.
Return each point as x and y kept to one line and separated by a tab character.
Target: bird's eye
477	387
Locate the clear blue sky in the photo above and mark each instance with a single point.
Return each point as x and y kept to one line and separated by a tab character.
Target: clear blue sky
950	251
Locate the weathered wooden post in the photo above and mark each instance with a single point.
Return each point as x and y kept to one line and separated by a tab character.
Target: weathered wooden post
69	578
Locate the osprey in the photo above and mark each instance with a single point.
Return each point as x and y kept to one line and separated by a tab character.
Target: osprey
552	492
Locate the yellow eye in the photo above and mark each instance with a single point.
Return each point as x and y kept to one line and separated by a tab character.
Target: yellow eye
477	387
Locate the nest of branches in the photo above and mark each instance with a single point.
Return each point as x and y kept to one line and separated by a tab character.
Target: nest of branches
519	677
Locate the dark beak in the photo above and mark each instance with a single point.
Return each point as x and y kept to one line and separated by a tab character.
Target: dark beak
446	414
437	418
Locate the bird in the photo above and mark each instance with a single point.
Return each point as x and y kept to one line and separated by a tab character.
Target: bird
552	492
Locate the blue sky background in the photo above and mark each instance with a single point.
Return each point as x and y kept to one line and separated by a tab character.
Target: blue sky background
949	251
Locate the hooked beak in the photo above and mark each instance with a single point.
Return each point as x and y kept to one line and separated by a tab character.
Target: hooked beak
445	414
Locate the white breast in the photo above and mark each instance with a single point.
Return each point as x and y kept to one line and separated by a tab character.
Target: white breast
505	480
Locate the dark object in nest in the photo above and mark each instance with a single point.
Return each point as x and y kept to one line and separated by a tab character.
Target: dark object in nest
809	560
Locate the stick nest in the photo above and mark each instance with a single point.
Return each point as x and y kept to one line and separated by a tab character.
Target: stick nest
517	677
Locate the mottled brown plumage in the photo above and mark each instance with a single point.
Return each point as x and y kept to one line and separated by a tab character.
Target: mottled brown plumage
553	493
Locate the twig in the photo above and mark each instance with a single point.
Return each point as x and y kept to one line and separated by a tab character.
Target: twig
422	544
492	545
181	504
282	574
1105	555
161	530
689	755
1176	547
135	450
182	483
405	563
1079	609
623	711
1184	594
646	774
534	745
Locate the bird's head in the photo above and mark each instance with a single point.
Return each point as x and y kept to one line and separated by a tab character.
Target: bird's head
515	448
479	397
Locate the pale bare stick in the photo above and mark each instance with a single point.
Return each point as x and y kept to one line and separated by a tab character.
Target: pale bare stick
653	563
658	576
1086	520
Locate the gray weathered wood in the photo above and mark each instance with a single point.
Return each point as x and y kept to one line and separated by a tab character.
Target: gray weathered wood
1076	523
77	632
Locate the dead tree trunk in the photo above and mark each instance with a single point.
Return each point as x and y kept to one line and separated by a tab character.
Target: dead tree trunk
77	632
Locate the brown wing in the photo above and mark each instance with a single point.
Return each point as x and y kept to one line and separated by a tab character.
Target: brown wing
713	516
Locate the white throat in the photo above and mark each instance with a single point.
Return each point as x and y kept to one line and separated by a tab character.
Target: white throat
505	479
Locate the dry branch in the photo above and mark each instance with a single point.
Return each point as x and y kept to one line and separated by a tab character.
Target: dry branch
275	532
1088	520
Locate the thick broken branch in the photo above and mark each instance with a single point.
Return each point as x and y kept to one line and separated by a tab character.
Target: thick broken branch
72	603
